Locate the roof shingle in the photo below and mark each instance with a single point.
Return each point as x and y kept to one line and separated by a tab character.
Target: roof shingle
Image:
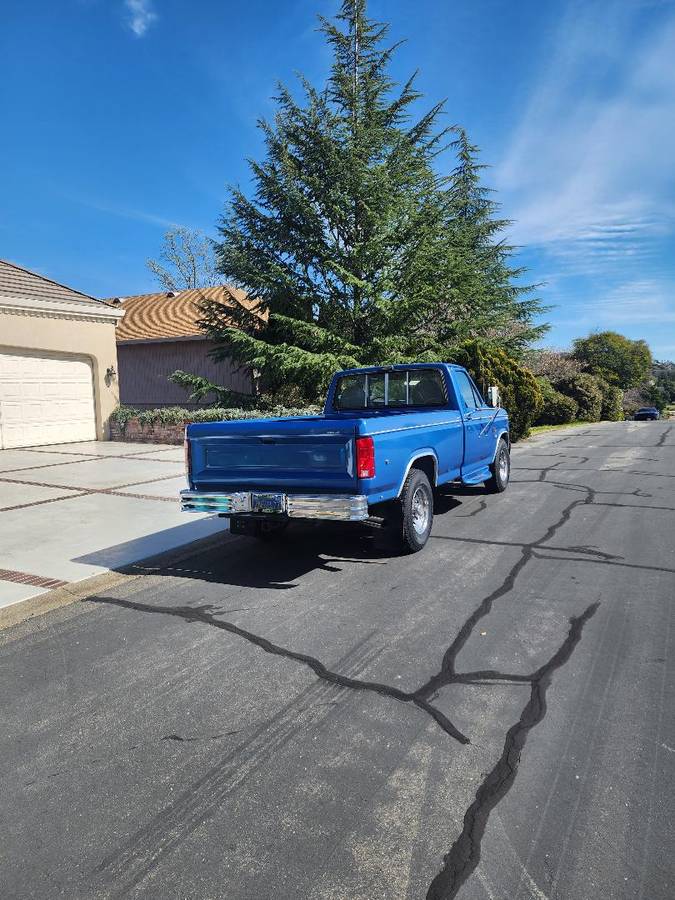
17	282
167	315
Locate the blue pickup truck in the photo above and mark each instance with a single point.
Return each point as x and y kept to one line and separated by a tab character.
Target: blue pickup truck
388	436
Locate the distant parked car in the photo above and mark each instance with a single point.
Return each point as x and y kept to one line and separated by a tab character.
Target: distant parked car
645	413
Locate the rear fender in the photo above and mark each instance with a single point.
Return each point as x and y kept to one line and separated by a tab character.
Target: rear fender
425	453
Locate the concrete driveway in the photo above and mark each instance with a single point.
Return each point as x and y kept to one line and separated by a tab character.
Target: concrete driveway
75	510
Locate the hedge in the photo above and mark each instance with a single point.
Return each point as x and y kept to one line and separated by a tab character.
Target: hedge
176	415
557	408
584	389
612	401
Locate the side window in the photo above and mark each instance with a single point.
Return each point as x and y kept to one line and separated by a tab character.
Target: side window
466	390
479	400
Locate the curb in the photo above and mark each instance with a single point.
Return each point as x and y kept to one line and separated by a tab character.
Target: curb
88	587
561	430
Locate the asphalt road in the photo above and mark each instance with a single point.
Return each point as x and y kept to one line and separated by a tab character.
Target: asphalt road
490	719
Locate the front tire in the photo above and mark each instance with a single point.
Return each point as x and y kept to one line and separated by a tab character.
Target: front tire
416	513
500	469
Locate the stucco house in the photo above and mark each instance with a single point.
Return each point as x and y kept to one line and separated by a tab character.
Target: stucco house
58	361
160	334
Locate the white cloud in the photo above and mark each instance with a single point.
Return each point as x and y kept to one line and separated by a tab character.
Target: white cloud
120	211
136	214
640	301
140	16
643	306
588	171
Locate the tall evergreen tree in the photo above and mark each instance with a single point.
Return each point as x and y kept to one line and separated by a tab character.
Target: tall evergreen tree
491	302
358	251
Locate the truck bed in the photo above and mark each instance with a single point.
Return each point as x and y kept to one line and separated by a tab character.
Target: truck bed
316	453
311	453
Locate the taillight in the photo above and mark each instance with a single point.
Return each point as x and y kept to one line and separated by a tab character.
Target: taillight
188	459
365	457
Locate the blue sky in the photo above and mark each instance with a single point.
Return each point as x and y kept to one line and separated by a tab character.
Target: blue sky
123	117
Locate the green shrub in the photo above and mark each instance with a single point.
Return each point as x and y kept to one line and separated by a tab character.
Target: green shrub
122	414
612	401
557	409
223	415
176	415
584	389
518	388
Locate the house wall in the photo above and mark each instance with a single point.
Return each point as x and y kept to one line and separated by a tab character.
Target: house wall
28	330
145	366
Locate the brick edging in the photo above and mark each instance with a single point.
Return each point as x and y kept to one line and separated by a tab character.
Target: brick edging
158	433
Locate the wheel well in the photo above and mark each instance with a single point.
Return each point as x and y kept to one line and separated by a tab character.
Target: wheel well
426	464
505	436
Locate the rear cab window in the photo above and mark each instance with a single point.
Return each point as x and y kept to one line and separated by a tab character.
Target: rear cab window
396	389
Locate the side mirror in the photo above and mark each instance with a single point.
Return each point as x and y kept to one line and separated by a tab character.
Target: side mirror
493	396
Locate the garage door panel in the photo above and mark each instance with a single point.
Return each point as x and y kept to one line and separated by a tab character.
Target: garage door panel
45	400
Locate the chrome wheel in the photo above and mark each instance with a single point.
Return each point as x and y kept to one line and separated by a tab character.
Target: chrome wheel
421	508
414	515
503	465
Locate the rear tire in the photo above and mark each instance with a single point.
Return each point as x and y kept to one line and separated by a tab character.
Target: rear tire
500	468
411	525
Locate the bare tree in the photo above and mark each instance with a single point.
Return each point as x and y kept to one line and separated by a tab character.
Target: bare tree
186	261
553	364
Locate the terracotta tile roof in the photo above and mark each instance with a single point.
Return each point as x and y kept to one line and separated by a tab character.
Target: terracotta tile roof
167	315
15	281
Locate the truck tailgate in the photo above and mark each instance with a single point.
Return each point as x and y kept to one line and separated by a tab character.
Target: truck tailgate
309	454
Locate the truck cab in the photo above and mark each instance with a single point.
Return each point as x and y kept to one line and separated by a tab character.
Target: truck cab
388	436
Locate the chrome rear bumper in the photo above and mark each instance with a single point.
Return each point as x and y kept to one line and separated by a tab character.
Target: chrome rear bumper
334	507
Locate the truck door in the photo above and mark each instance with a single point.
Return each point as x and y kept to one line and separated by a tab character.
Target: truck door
476	416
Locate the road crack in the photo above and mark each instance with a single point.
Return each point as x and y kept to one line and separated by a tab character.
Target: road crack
662	440
206	614
464	855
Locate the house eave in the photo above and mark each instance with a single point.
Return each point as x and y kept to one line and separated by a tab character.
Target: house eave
131	342
83	310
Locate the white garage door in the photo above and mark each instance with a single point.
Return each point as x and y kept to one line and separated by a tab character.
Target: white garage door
45	400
